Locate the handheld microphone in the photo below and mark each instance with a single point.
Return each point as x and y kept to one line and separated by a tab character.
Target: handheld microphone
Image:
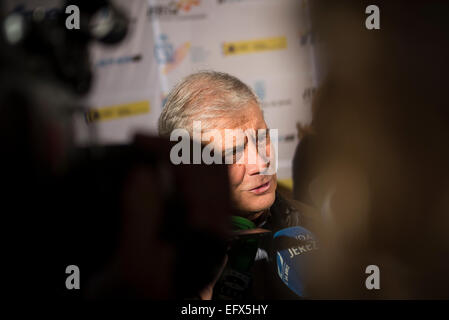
236	279
294	248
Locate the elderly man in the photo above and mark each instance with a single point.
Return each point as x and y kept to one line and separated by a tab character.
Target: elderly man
222	102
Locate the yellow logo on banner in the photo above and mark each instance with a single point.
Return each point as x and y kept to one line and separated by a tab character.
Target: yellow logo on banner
250	46
118	111
286	183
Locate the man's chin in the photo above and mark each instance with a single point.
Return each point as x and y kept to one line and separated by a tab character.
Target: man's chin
254	206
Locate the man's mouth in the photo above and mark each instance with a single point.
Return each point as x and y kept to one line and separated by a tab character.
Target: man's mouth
262	188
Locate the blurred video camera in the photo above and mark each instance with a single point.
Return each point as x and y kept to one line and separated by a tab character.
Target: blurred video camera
133	223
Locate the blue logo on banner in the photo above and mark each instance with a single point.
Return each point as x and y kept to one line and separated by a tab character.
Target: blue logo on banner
163	50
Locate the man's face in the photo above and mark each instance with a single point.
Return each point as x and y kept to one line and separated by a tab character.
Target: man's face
252	191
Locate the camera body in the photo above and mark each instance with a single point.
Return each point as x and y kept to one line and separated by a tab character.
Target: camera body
133	223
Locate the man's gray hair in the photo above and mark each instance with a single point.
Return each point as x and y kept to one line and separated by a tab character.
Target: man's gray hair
201	97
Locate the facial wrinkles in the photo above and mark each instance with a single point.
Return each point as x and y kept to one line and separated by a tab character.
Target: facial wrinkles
246	120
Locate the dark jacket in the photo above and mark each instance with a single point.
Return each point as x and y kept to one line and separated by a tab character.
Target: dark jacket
284	213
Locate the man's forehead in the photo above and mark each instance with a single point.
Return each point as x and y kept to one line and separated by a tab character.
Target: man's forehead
249	118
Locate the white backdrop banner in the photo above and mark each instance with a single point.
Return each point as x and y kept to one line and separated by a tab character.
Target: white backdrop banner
267	44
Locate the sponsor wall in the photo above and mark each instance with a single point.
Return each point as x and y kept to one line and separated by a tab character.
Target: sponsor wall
268	44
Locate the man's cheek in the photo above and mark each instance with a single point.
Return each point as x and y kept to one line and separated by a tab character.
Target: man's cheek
274	181
236	174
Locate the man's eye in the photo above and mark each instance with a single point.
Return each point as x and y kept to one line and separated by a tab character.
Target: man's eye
263	138
236	153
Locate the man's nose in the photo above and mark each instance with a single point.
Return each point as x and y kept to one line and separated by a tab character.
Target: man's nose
257	160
